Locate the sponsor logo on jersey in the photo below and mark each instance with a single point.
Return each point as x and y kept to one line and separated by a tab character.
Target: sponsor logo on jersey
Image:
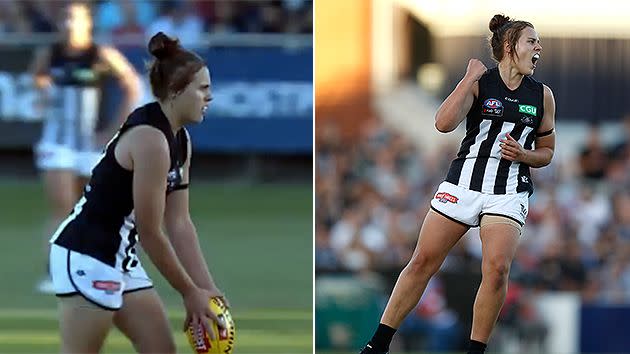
444	197
108	286
524	179
524	108
510	99
527	120
492	107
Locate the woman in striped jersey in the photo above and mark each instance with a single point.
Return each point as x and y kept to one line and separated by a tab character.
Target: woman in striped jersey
509	128
69	75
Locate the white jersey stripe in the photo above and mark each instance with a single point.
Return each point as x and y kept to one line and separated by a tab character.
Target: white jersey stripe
490	172
469	164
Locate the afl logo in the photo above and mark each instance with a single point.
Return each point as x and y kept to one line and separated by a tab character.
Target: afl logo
492	103
492	107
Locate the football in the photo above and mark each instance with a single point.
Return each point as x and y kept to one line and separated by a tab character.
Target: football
201	342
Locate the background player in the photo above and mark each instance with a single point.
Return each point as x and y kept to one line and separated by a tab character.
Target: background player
69	74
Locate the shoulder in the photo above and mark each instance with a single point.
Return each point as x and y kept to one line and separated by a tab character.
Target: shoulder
147	140
547	91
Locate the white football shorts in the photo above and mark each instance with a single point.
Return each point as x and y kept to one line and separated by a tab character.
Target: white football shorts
467	207
101	284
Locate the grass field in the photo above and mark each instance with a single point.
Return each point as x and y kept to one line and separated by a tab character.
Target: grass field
257	240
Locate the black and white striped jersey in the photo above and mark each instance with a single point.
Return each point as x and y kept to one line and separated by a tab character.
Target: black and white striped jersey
102	223
494	113
74	100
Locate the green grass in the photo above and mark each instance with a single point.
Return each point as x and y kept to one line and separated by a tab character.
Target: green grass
257	240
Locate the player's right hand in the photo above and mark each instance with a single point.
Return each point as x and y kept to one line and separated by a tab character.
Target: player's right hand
197	304
475	69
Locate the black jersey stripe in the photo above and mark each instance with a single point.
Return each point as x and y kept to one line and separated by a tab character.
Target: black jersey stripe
500	182
455	172
476	181
525	183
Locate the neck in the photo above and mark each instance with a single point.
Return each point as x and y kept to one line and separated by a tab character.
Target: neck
170	115
510	75
79	42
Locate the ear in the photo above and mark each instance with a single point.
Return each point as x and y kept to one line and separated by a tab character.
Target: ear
506	47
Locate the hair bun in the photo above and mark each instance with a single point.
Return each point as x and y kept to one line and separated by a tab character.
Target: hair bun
162	46
497	22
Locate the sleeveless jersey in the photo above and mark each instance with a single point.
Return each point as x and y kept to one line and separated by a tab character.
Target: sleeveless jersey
75	98
494	113
102	224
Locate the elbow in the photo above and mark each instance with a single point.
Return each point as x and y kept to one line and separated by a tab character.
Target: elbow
441	127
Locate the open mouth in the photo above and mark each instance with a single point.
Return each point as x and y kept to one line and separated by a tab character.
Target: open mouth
535	58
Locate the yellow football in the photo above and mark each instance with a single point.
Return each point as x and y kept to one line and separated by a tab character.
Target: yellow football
200	341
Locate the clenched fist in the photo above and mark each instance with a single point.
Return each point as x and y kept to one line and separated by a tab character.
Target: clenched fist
475	69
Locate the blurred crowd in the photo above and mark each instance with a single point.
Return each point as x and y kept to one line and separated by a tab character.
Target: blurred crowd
188	18
372	196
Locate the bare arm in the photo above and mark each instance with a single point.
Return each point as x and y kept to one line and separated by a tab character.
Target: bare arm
150	158
183	234
39	68
545	141
455	107
129	80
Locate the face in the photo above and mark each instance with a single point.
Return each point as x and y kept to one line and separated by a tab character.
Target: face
528	50
77	20
192	103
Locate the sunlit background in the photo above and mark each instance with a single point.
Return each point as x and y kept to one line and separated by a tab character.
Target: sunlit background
382	69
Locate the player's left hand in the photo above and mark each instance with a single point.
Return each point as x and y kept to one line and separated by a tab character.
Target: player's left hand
218	293
511	150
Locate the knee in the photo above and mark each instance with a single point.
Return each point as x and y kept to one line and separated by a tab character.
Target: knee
423	265
496	271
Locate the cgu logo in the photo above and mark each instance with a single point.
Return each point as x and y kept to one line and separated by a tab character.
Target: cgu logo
524	108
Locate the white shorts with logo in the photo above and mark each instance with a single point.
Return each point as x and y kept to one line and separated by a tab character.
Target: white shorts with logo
467	207
75	273
60	157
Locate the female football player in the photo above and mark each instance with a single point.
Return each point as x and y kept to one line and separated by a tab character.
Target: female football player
70	73
509	128
140	182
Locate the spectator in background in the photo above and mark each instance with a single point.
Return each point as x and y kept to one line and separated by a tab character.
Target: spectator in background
14	18
433	321
113	14
593	157
42	15
131	31
178	19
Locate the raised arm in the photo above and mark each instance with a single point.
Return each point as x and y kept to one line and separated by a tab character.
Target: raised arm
455	107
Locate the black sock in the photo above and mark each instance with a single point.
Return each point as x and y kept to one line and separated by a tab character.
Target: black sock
382	337
476	347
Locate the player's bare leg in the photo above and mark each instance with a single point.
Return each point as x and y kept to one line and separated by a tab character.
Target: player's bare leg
499	243
83	325
437	236
59	186
147	336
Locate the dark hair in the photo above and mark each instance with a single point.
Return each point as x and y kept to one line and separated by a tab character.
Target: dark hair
505	29
173	68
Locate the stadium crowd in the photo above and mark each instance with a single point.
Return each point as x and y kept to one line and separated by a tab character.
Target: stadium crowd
372	196
116	19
